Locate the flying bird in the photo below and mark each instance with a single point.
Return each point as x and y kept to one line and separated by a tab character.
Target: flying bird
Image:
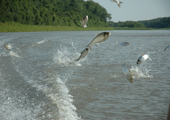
84	21
123	43
83	54
118	2
101	37
127	73
142	58
167	48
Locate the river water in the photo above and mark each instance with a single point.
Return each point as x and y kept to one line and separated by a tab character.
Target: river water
39	79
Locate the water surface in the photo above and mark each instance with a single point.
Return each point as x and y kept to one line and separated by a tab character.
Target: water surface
39	79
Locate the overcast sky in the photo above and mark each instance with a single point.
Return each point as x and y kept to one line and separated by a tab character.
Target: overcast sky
135	10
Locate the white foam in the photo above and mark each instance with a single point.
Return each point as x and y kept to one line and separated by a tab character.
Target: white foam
11	110
64	57
14	54
40	42
55	89
140	72
63	100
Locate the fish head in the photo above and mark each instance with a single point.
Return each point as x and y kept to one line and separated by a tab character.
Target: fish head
139	62
6	46
87	49
86	17
106	34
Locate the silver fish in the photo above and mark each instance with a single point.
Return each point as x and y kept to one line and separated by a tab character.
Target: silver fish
83	54
84	21
9	47
127	73
167	48
123	43
118	2
142	58
99	38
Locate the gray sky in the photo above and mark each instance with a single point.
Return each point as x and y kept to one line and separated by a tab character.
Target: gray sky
135	10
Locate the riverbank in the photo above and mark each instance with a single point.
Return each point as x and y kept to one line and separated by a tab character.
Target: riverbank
17	27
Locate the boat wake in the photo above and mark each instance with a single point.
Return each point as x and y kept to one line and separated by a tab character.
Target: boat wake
53	87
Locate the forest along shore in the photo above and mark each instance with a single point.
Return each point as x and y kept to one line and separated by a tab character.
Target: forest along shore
59	15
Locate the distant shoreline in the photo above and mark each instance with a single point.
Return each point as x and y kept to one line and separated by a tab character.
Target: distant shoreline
17	27
131	28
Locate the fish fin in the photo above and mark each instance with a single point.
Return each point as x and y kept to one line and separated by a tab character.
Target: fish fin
89	47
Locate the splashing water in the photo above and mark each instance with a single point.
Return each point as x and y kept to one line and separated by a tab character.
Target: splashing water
138	72
65	57
14	54
40	42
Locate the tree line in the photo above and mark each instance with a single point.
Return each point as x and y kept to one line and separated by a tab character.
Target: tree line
53	12
154	23
67	13
157	23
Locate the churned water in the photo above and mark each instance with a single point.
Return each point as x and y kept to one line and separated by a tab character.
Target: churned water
39	79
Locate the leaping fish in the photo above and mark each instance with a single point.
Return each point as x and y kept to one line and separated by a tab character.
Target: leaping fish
9	47
123	43
84	21
167	48
99	38
83	54
118	2
142	58
127	73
